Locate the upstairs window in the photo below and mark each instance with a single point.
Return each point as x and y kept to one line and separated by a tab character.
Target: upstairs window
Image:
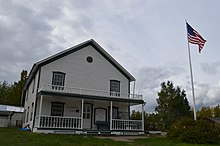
27	95
58	80
114	88
33	85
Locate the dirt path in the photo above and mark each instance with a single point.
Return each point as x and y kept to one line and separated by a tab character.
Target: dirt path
122	138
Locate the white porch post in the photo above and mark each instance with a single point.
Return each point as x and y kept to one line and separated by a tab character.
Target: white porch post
82	114
40	108
111	116
143	116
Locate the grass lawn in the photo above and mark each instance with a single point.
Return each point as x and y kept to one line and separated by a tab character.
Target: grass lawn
14	137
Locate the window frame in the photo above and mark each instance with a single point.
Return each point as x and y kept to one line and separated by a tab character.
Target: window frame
26	96
53	109
56	83
87	111
115	112
32	109
33	87
113	90
27	114
24	118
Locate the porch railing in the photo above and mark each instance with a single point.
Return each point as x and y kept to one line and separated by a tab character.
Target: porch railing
119	124
59	122
91	92
75	123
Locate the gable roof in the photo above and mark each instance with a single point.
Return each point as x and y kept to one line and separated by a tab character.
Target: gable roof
66	52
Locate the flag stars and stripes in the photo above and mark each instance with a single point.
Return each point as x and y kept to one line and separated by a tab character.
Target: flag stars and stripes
195	38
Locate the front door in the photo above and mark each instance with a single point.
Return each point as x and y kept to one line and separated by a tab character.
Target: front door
87	116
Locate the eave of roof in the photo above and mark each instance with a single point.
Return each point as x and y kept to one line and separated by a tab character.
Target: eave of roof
73	49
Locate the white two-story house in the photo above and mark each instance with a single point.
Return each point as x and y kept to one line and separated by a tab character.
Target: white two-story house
80	90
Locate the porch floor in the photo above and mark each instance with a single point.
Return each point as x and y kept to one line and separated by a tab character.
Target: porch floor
123	138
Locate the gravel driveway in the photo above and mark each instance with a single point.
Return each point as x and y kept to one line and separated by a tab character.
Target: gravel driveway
122	138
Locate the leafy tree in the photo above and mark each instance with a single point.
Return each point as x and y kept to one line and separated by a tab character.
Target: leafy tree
172	104
191	131
205	112
5	90
217	111
11	93
136	115
152	122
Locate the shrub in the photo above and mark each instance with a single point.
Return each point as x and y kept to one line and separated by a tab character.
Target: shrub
190	131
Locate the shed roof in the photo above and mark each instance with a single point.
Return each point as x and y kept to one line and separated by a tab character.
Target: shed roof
9	108
214	120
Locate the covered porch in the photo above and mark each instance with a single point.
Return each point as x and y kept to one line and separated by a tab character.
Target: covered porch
85	114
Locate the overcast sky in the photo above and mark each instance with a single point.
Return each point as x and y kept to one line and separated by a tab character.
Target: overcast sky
147	37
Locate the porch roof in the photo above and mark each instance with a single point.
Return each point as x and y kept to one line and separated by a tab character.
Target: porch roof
72	95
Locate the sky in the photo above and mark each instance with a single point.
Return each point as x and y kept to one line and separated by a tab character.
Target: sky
147	37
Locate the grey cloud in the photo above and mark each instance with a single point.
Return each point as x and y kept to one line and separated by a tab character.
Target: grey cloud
210	68
205	94
213	95
24	35
150	78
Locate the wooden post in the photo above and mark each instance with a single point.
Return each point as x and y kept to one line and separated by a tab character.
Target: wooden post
82	114
111	116
40	108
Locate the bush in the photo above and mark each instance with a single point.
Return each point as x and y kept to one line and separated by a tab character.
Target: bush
190	131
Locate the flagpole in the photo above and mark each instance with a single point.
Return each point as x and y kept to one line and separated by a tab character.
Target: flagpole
191	74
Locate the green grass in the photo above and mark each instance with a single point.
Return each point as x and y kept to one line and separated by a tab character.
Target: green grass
14	137
162	141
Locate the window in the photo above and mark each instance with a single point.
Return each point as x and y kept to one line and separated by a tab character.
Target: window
27	114
27	94
33	85
89	59
58	80
114	88
32	109
57	109
115	114
24	116
86	111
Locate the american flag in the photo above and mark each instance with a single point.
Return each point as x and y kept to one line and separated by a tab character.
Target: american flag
195	38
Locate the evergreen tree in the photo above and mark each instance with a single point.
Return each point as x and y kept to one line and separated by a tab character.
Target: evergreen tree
172	104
